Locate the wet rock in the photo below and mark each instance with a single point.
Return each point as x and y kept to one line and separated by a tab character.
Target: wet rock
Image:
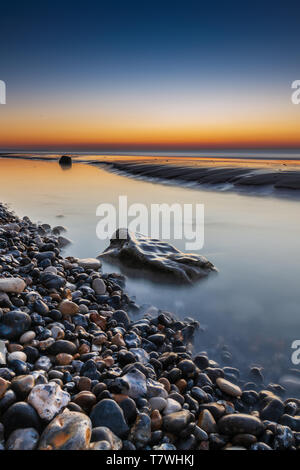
157	256
13	285
140	433
48	400
109	414
22	385
3	352
136	381
23	439
284	438
99	286
52	281
20	415
207	422
240	424
228	387
3	386
70	430
273	410
103	433
176	422
13	324
89	263
68	307
292	422
172	406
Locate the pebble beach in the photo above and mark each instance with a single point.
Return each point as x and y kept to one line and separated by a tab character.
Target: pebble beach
78	371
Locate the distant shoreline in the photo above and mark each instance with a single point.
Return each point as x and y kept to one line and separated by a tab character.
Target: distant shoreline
244	175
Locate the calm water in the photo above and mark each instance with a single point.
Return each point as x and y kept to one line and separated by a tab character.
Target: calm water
252	305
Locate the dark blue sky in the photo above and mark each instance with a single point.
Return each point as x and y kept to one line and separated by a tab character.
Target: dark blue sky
53	51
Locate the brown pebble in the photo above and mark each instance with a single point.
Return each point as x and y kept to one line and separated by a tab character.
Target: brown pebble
63	359
156	420
119	397
83	349
181	384
12	347
84	384
68	307
109	361
118	340
166	383
3	386
86	400
207	422
99	320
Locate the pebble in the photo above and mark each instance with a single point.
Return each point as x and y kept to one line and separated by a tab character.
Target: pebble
23	439
70	430
240	424
89	263
228	387
12	285
68	307
108	413
176	422
102	433
207	422
19	355
20	415
158	403
13	324
99	286
140	432
172	406
48	400
27	337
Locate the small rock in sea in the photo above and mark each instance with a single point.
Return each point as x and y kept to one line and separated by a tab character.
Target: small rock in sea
240	424
48	399
108	413
228	387
13	324
23	439
14	285
70	430
89	263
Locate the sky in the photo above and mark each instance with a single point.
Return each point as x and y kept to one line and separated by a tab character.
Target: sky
95	75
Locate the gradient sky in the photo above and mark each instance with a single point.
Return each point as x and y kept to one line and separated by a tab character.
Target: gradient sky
98	75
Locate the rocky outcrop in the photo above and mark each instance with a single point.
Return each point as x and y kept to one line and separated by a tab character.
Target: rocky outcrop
137	251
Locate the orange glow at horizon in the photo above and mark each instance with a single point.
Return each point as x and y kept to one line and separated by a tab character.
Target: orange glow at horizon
232	123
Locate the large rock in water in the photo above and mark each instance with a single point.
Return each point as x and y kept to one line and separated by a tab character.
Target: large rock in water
137	251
